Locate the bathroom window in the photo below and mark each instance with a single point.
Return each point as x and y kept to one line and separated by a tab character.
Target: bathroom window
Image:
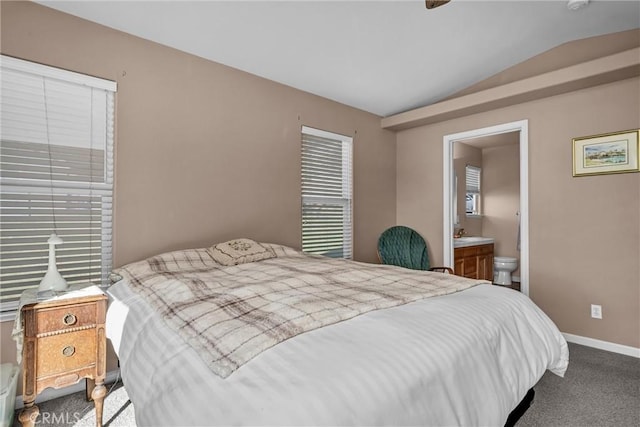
473	190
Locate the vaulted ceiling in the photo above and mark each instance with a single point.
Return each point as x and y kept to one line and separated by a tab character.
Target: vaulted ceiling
383	57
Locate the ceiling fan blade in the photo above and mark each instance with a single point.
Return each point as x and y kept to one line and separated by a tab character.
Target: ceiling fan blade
435	3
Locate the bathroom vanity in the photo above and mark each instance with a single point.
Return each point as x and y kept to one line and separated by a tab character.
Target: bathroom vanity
473	257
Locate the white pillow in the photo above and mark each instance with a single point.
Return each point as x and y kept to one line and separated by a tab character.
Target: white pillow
240	251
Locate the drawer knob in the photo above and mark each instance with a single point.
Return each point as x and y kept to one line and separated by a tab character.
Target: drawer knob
68	351
69	319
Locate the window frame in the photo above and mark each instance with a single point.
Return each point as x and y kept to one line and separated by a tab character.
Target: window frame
92	191
346	199
473	193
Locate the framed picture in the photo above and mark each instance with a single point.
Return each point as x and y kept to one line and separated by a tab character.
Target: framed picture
608	153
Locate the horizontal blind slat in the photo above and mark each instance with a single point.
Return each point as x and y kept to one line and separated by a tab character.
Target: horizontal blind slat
326	194
472	175
56	171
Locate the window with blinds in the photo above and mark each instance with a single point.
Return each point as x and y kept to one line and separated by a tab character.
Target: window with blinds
326	193
56	174
473	190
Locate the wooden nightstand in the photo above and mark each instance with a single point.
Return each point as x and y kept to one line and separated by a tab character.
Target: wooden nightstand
64	342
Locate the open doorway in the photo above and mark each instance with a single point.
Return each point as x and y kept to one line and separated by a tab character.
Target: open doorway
454	216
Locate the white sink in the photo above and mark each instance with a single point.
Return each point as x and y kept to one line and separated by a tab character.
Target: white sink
462	242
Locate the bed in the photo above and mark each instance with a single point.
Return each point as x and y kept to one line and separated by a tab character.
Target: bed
462	352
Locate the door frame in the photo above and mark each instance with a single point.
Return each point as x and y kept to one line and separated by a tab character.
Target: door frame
521	126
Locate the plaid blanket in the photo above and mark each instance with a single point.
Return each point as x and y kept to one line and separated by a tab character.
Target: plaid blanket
230	314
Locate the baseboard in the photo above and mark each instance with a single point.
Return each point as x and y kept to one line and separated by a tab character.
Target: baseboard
53	393
603	345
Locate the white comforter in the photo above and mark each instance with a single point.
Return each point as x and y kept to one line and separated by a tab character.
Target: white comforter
461	359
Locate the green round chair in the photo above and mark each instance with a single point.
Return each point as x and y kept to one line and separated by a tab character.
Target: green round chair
404	247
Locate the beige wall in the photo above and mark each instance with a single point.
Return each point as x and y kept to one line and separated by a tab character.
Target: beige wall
501	198
465	155
584	232
565	55
204	153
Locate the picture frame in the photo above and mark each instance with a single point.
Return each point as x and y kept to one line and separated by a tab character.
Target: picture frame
606	153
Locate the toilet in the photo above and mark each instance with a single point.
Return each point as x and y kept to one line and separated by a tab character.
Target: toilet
503	266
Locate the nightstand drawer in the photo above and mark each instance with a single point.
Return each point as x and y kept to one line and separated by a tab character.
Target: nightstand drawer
66	352
68	317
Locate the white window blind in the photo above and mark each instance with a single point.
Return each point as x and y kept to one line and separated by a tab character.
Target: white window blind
56	174
473	190
326	193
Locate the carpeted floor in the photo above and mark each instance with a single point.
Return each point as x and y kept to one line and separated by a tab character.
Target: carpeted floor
599	389
74	410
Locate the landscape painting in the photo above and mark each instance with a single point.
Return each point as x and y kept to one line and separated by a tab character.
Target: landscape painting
607	153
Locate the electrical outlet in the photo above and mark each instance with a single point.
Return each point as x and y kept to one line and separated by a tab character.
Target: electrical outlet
596	311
